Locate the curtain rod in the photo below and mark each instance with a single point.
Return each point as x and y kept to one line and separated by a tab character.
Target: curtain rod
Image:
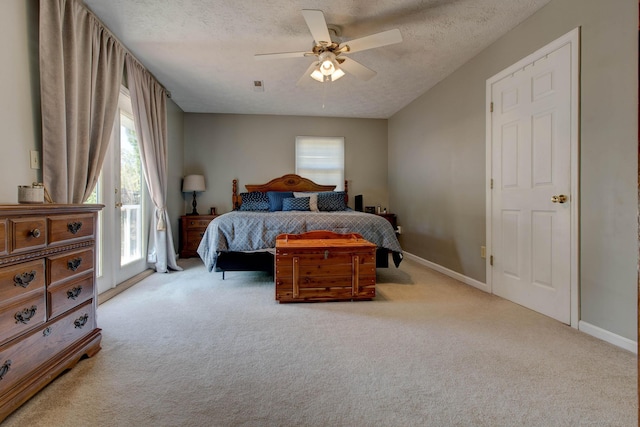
122	45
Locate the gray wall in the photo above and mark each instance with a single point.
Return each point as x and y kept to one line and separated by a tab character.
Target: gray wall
20	89
256	148
437	157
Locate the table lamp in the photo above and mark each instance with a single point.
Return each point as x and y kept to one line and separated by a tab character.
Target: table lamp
193	183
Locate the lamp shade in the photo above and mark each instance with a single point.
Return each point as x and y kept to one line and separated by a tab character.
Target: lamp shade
193	183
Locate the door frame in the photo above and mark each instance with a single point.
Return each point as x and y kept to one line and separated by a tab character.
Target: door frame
573	39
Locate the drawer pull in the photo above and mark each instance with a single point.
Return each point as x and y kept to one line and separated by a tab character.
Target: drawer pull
81	321
24	279
74	263
35	233
74	292
5	368
25	315
74	226
46	332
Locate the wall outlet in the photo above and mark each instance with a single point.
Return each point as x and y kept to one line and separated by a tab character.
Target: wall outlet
34	159
399	229
483	251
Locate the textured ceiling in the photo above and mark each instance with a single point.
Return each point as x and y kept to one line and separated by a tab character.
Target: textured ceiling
202	51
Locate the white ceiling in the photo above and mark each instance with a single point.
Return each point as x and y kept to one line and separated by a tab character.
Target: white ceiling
202	51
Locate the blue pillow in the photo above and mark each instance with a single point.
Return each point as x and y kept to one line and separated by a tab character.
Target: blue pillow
276	198
331	201
254	201
296	204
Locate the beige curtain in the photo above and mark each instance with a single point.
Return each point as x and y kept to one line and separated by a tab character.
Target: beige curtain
81	67
149	104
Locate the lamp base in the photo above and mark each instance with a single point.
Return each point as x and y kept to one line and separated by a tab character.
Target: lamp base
194	204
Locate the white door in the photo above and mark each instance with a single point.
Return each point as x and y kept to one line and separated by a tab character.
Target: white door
124	220
532	195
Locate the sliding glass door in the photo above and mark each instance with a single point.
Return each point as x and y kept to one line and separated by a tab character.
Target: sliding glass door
124	220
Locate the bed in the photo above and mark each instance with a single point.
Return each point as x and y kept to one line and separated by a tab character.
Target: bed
244	239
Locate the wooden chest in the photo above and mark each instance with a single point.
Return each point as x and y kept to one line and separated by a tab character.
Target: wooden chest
47	295
324	266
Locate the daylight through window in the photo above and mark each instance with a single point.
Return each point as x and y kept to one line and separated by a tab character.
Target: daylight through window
321	159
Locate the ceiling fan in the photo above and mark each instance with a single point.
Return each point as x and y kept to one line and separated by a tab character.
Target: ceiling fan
330	64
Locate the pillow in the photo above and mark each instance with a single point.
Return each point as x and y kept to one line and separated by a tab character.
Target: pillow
295	204
313	199
276	198
331	201
254	201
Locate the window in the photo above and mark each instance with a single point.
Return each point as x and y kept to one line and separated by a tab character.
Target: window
321	159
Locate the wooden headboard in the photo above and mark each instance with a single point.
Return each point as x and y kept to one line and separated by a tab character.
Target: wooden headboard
289	182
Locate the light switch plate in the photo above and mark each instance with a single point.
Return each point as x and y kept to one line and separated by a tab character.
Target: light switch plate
35	159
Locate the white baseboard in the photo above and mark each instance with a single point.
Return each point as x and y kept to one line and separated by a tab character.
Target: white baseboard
460	277
609	337
583	326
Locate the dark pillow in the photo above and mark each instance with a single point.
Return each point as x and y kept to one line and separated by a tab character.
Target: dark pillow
331	201
296	204
276	198
254	201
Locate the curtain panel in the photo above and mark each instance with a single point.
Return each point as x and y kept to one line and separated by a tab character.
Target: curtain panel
81	67
149	104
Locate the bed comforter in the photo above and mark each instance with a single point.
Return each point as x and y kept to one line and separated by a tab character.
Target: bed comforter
242	231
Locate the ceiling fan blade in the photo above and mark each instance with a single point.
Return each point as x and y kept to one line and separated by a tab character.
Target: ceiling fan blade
317	25
281	55
306	77
375	40
357	69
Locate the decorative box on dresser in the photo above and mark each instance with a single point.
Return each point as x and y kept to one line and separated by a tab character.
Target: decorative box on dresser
47	295
192	228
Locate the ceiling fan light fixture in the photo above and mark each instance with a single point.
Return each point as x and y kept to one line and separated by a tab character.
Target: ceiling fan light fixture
337	74
317	75
327	67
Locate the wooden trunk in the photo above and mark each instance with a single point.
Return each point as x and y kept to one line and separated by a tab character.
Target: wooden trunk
324	266
47	295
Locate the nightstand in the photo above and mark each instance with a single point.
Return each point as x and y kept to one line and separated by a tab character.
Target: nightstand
192	228
391	217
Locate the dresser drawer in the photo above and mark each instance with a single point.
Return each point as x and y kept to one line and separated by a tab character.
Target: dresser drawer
65	296
197	223
18	280
28	233
68	265
68	228
22	316
3	236
19	358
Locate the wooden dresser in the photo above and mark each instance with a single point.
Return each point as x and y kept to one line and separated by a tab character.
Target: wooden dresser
324	266
47	295
192	228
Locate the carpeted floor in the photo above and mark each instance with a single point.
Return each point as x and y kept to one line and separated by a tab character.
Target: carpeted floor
188	349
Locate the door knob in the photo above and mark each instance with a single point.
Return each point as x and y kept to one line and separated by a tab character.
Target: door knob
118	205
559	199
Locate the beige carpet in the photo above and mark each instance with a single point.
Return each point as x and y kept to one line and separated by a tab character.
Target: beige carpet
188	349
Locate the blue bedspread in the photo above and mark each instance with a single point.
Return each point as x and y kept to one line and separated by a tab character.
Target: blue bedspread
241	231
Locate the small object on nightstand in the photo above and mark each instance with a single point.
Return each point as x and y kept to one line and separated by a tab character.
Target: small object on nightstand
192	228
